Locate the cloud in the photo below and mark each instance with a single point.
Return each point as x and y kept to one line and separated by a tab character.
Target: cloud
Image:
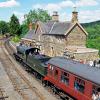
84	3
54	6
89	15
65	4
20	16
83	16
61	7
65	17
9	3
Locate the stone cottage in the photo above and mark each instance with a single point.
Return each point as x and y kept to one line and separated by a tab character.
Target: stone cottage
56	38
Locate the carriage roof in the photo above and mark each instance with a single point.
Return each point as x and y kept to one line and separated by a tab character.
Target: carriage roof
77	68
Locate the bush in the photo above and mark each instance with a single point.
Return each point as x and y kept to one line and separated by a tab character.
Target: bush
16	39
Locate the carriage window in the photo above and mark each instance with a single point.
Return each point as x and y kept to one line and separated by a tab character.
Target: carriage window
56	74
79	84
65	78
95	92
51	70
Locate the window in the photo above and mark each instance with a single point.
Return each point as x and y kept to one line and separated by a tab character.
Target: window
95	92
79	84
65	78
56	74
95	89
50	69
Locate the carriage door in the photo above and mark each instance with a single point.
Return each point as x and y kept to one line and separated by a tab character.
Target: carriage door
56	74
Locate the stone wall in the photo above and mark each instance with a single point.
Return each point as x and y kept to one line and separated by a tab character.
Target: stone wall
87	56
56	45
76	38
53	45
28	42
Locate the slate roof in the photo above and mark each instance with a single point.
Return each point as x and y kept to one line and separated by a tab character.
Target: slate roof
82	70
57	28
60	28
29	35
52	28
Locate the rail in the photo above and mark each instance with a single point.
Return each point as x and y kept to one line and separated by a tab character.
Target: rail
19	81
61	95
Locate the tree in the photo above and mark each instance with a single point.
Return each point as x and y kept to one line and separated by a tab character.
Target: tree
14	25
39	14
24	29
93	28
4	27
32	16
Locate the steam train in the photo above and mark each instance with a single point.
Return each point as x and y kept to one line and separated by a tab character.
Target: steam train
80	81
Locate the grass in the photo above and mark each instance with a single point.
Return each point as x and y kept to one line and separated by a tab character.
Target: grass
16	39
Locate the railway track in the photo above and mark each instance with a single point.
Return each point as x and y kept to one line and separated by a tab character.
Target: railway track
18	80
57	95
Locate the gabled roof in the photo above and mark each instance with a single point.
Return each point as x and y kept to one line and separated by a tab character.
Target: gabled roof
45	27
53	28
58	28
72	27
30	35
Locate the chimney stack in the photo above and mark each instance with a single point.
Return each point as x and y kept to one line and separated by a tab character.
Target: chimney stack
30	26
74	16
55	16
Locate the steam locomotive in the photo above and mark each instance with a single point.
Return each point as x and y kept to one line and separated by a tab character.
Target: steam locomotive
79	81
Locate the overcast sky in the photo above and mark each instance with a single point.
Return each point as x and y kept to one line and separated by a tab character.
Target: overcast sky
88	10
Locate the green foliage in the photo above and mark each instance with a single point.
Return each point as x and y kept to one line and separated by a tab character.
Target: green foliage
4	27
24	29
14	25
32	16
39	14
93	30
16	39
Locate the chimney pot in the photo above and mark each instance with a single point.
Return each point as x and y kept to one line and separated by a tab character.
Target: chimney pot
55	16
74	16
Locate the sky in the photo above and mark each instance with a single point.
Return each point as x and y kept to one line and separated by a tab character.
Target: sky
88	10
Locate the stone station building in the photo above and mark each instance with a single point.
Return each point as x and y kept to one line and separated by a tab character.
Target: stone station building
56	38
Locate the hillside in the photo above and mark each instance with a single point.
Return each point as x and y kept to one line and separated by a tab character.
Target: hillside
93	30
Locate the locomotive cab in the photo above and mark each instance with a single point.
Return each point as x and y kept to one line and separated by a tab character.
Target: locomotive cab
33	58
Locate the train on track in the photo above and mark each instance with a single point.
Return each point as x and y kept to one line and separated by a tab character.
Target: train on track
79	81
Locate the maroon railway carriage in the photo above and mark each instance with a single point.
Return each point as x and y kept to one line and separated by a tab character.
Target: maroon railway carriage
78	80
